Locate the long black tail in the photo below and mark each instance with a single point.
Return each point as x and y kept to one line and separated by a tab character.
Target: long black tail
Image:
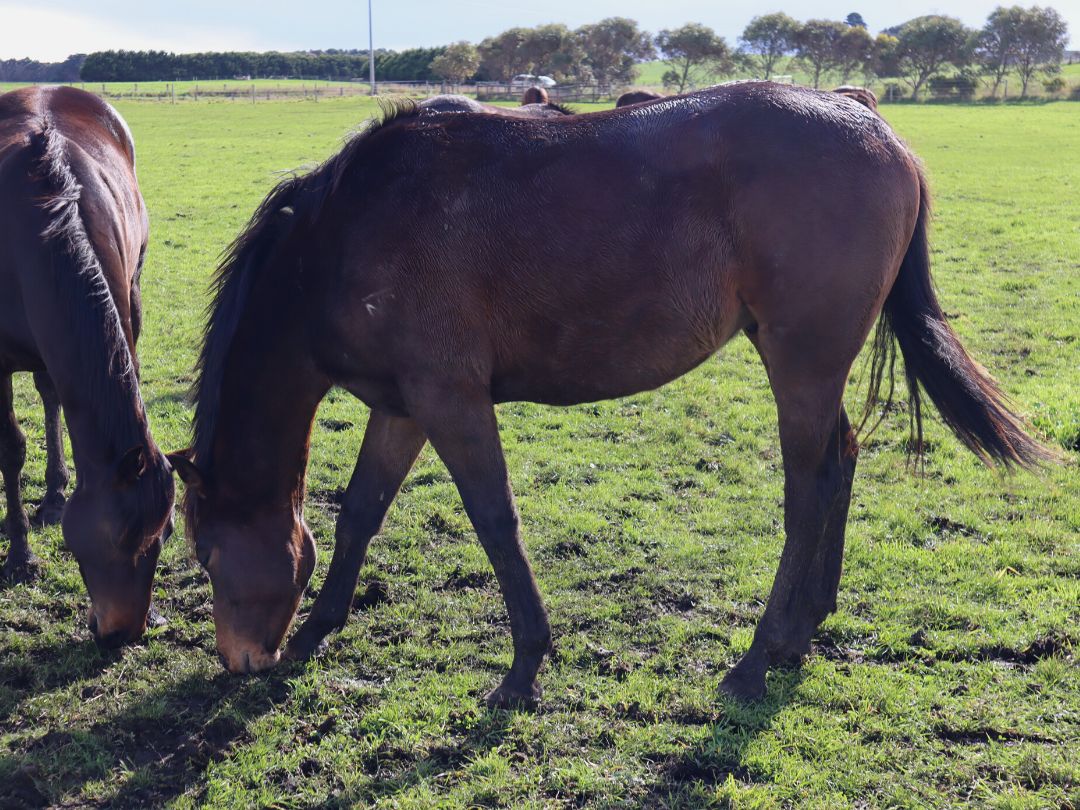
967	397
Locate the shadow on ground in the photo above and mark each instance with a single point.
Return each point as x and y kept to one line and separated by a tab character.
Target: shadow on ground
47	668
683	777
166	740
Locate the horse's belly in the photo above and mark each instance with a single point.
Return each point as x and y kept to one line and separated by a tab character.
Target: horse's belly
586	367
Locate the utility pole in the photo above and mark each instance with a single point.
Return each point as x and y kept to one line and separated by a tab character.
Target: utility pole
371	52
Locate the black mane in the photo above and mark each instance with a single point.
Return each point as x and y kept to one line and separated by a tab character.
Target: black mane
302	196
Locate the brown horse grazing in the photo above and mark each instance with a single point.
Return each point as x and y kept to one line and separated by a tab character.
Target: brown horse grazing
636	97
73	231
397	271
534	95
862	95
456	104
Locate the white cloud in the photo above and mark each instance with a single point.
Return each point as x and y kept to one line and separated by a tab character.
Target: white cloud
51	36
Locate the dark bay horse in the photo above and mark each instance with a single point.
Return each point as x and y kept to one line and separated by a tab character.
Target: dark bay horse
397	271
534	95
73	232
863	95
636	97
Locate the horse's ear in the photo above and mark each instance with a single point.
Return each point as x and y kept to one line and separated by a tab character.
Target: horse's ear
190	474
131	465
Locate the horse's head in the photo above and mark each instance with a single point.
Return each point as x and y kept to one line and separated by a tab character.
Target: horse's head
259	564
636	97
534	95
114	523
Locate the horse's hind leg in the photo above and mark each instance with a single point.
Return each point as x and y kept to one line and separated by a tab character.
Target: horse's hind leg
459	420
56	471
21	564
390	447
819	452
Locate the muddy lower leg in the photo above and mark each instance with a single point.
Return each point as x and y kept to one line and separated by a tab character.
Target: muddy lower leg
21	565
56	471
390	447
459	420
817	491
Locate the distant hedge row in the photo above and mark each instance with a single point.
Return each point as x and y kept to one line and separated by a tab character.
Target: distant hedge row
144	66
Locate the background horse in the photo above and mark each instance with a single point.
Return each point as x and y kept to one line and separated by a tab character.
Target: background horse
398	271
534	95
455	104
636	97
73	232
860	94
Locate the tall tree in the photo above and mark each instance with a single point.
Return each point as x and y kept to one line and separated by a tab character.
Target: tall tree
886	59
996	44
613	47
817	46
929	44
553	50
854	52
502	57
855	20
766	40
1040	44
457	63
693	53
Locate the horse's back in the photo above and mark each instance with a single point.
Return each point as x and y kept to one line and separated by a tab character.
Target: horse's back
67	178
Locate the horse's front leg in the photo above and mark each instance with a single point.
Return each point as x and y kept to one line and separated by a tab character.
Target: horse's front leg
56	471
21	564
459	420
390	447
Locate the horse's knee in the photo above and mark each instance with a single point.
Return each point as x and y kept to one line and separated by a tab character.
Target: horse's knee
497	525
357	523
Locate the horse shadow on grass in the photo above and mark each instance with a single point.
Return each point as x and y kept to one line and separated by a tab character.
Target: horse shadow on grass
166	740
681	780
392	774
47	668
684	778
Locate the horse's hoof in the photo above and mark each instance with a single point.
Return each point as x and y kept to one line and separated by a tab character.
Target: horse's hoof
21	572
509	697
304	646
47	514
746	680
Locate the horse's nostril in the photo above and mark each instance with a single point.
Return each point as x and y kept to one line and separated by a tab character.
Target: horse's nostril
92	621
224	661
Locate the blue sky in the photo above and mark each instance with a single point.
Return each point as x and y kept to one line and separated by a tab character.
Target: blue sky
51	29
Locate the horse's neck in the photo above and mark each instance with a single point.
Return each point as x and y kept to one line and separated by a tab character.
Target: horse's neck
87	354
102	405
267	402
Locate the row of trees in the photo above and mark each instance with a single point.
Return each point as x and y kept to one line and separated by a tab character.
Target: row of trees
920	52
30	70
604	53
1028	42
142	66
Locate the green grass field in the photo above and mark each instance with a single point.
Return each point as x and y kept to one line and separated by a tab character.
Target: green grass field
948	676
